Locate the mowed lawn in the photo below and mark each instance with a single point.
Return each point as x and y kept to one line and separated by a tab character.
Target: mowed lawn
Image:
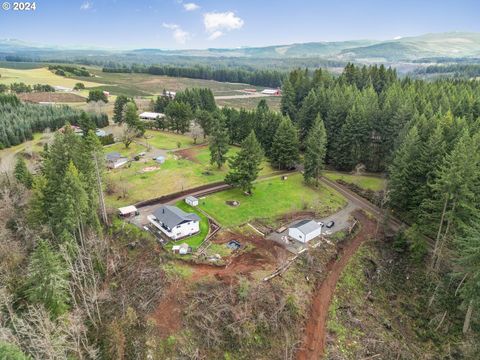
271	198
167	140
176	174
365	182
39	76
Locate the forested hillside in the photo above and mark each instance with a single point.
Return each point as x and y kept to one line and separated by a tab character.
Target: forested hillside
18	120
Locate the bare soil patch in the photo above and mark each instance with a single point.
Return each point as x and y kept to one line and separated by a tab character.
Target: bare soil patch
189	154
37	97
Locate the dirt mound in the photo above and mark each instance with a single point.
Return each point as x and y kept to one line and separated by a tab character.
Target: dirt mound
314	340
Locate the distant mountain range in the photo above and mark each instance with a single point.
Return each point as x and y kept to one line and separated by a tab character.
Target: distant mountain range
441	45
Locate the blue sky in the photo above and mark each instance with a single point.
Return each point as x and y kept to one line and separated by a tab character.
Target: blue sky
176	24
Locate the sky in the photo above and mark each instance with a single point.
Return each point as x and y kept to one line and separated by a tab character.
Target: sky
197	24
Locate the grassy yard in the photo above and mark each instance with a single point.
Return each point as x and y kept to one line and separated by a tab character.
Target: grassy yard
131	151
195	240
167	140
39	76
176	174
271	198
365	182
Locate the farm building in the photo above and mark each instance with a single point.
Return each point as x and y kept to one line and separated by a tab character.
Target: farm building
305	230
150	116
191	200
115	160
160	159
127	211
275	92
174	222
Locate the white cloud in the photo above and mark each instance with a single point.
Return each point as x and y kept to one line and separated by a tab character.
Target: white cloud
181	36
215	35
217	23
397	38
191	6
87	5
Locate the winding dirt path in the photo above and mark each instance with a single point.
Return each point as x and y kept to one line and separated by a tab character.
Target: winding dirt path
315	332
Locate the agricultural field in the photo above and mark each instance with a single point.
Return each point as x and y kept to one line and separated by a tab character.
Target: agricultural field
146	179
271	198
273	102
374	183
132	84
40	76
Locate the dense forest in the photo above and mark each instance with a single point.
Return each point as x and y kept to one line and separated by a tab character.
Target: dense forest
260	77
454	70
18	120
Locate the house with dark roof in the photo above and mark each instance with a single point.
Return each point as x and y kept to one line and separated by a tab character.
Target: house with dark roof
115	160
305	230
174	222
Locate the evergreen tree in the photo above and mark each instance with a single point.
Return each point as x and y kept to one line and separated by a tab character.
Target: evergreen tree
70	206
206	121
86	123
245	166
47	281
22	174
454	195
287	102
308	113
219	143
179	116
118	108
404	173
315	151
285	146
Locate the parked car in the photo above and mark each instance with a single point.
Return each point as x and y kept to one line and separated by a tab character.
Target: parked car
330	224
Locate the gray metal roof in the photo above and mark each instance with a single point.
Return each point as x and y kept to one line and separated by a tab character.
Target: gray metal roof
172	216
306	226
113	156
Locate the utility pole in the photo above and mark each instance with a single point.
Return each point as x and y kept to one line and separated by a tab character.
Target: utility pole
103	209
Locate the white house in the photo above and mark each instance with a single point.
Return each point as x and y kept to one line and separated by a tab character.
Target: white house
305	230
149	116
115	160
174	222
191	200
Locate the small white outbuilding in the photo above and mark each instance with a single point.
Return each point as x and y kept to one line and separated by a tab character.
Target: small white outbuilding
305	230
191	200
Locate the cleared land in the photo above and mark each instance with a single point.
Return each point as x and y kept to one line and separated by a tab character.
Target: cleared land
40	76
366	182
271	198
182	170
58	97
251	102
145	84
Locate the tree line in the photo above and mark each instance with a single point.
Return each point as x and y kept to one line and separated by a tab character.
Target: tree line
260	77
19	121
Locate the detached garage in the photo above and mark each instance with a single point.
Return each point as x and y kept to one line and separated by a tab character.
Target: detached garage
305	230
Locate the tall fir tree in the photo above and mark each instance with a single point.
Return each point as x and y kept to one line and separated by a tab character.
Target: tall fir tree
118	109
219	143
315	152
22	174
245	166
285	146
47	280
